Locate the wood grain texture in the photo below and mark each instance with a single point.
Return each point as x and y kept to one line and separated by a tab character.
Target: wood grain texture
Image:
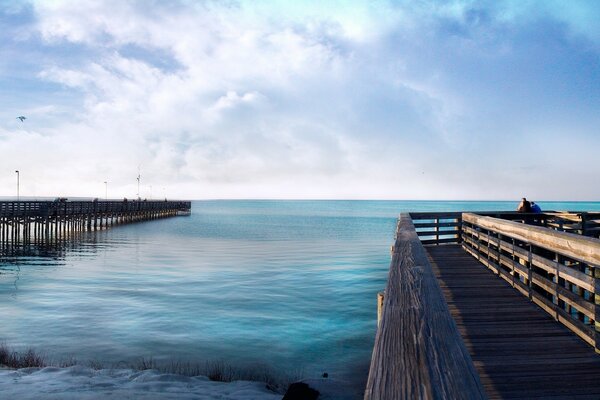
570	274
519	351
578	247
418	351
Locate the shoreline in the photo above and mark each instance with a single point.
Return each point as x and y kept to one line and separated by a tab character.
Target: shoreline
31	375
214	370
80	382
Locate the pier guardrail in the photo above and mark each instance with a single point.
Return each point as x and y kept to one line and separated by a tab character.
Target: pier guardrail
446	227
559	271
63	208
418	351
27	221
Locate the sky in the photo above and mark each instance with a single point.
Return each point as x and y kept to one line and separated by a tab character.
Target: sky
481	100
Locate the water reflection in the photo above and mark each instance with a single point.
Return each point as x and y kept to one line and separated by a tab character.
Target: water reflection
49	252
53	250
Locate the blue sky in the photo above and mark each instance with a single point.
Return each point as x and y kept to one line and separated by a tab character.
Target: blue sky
353	100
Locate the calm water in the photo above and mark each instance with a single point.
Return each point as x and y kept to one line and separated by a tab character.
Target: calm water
290	284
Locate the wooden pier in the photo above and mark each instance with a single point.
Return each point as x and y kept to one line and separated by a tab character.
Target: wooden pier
42	221
490	305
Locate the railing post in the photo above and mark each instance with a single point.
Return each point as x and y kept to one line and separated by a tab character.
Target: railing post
478	230
380	299
529	272
557	277
514	260
498	248
597	309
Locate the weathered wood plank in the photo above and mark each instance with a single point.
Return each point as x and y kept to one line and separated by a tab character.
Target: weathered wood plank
419	225
438	233
578	247
570	274
435	215
582	305
518	349
418	351
441	240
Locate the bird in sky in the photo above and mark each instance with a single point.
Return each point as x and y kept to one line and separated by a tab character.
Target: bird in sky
22	118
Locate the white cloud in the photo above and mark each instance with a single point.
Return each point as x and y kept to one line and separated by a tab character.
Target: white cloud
269	99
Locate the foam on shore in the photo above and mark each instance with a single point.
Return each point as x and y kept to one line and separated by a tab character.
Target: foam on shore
78	382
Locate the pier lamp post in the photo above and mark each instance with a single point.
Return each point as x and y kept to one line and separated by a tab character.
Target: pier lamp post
138	180
18	196
105	190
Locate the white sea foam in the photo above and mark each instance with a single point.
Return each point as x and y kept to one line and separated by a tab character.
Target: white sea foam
83	383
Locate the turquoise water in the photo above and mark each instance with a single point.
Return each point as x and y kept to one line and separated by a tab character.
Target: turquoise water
288	284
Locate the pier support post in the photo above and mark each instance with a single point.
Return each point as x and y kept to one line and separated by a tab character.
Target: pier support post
380	298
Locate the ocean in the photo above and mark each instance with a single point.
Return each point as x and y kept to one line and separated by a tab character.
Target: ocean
290	285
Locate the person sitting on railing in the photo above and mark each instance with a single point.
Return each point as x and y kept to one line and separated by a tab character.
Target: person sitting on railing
535	208
524	206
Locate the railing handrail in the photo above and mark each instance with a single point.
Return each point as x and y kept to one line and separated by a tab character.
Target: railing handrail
586	223
571	245
559	271
53	207
418	351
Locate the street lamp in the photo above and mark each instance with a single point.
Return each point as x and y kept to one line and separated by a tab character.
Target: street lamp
18	197
105	190
138	180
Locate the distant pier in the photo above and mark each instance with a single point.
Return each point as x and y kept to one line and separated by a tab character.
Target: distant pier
490	305
41	221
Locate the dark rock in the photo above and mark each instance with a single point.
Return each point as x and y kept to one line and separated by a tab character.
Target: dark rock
300	391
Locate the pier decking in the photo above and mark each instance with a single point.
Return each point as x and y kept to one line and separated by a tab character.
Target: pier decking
40	221
495	305
519	351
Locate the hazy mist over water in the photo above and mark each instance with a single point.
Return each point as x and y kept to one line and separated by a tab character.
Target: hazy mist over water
288	284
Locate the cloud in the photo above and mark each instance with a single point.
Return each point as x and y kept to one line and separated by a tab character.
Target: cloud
272	99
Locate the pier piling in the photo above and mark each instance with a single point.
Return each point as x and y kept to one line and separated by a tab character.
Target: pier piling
40	221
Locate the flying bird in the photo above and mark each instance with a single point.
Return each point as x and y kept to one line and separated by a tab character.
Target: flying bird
22	118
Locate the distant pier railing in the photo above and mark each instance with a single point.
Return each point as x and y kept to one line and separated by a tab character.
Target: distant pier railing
24	221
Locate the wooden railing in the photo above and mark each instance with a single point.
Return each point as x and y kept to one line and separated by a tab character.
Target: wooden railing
446	227
418	351
559	271
437	227
64	208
